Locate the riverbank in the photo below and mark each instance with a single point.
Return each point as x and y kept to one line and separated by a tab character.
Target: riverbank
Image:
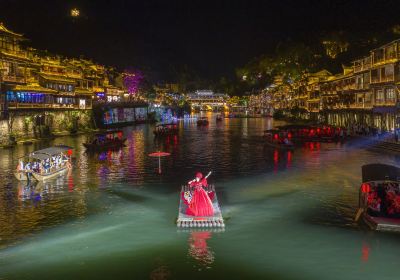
122	211
29	140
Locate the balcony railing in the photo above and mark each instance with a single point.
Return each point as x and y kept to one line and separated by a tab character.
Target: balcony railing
19	105
360	68
13	79
383	102
377	80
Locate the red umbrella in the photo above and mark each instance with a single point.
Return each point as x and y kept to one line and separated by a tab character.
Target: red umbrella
159	155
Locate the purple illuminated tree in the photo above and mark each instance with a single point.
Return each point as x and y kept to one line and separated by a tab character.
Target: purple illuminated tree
132	81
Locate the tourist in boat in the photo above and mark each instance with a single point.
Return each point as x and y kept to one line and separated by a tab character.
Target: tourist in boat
200	203
287	142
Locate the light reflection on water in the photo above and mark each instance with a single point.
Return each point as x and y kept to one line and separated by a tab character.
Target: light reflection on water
289	215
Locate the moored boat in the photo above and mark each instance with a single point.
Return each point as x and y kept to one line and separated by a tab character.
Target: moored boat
278	139
379	197
189	221
219	118
44	164
104	141
203	121
165	129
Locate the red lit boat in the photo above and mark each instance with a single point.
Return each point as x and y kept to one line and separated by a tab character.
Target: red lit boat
165	129
379	197
305	133
278	139
188	221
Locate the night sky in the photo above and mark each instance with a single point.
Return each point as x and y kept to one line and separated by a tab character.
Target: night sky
211	37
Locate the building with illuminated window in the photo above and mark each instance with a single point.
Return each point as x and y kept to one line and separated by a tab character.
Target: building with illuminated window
207	100
365	93
41	87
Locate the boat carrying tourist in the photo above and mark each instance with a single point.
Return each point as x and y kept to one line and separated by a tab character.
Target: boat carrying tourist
103	141
379	197
198	205
44	164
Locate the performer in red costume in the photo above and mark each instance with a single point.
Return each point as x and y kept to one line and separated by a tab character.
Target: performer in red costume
200	203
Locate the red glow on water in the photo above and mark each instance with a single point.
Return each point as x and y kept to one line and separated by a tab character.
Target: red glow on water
276	160
276	156
70	184
289	158
365	252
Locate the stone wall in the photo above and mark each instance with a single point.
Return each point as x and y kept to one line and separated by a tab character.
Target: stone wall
41	124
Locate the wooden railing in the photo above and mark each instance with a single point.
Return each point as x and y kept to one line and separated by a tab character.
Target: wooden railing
19	105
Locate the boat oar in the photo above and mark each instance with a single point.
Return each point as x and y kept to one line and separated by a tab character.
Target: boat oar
358	215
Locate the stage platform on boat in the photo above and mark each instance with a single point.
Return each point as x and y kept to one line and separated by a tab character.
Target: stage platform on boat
188	221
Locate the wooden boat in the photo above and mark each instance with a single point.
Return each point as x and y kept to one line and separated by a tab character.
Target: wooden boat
219	118
306	133
44	164
278	139
165	129
106	141
379	197
203	121
188	221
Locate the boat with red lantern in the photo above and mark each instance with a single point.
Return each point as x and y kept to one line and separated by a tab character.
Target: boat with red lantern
104	141
306	133
44	164
166	129
278	139
379	197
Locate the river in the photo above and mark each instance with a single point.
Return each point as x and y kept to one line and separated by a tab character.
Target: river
289	215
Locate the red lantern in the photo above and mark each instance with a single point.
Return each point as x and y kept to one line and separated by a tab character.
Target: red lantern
365	188
289	135
276	136
69	152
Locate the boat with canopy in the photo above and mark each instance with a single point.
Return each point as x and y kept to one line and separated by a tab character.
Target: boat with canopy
379	197
165	129
278	139
104	141
44	164
202	121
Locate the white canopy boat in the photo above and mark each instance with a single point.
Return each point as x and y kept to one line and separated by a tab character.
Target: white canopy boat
44	164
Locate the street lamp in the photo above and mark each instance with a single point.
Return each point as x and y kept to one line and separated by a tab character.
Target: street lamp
75	12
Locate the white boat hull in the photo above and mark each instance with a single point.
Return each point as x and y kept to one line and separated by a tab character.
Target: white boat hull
22	176
42	177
